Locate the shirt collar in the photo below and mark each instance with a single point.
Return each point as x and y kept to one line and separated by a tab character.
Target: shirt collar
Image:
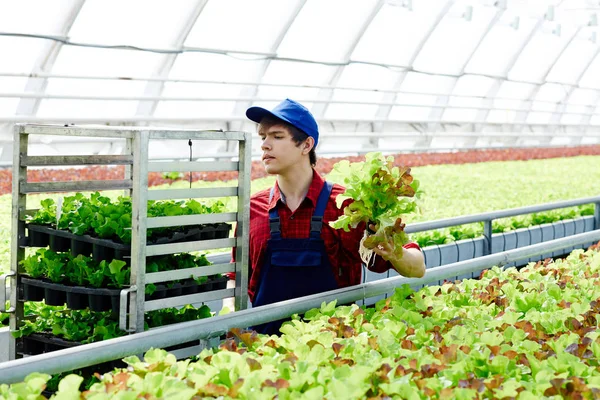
314	190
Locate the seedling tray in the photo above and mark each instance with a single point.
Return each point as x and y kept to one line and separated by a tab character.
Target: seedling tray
76	297
108	249
39	343
105	299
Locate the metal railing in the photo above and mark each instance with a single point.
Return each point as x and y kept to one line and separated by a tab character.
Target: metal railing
489	217
96	353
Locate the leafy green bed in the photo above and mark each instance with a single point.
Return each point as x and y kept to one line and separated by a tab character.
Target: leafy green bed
449	191
529	334
86	326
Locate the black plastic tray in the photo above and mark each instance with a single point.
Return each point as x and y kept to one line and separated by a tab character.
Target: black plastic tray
39	343
76	297
107	249
105	299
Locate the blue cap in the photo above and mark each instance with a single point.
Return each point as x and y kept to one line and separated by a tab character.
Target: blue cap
291	112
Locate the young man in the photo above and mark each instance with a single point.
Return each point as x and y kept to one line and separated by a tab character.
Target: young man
293	250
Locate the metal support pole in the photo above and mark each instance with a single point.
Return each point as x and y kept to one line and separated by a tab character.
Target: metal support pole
139	227
19	203
242	248
487	233
597	215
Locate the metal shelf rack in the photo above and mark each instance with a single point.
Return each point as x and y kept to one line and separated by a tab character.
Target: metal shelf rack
135	184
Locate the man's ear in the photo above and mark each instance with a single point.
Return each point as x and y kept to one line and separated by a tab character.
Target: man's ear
309	143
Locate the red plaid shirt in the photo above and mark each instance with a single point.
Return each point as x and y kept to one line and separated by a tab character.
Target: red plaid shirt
342	247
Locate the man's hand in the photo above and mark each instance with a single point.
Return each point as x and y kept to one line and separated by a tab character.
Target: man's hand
408	262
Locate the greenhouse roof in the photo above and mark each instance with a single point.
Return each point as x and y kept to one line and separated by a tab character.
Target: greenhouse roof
360	65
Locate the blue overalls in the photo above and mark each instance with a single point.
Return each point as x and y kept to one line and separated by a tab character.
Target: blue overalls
294	267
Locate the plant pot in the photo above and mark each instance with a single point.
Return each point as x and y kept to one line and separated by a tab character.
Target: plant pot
219	283
77	301
32	293
59	243
207	232
205	287
98	302
159	293
31	346
38	239
189	287
122	254
52	346
222	231
79	247
115	302
54	297
100	253
174	290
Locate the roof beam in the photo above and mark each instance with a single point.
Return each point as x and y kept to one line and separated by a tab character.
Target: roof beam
384	111
319	110
45	61
437	113
155	88
240	107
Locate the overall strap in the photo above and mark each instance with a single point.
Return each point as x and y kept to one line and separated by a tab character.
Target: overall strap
316	222
274	224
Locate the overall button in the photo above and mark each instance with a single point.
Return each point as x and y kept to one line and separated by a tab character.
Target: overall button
291	217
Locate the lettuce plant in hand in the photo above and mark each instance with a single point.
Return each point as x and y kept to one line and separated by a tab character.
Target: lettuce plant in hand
381	195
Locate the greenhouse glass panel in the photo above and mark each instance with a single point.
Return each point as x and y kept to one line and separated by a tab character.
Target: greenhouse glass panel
321	32
404	113
8	106
105	62
591	77
543	106
19	55
537	58
215	68
583	96
395	33
571	64
277	93
570	119
195	109
474	102
55	108
576	109
368	77
459	114
350	111
551	92
198	108
501	116
454	39
501	44
536	117
33	16
233	25
151	24
94	87
202	90
298	73
515	90
473	85
416	99
424	83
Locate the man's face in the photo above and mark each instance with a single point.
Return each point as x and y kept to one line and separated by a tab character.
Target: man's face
280	152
